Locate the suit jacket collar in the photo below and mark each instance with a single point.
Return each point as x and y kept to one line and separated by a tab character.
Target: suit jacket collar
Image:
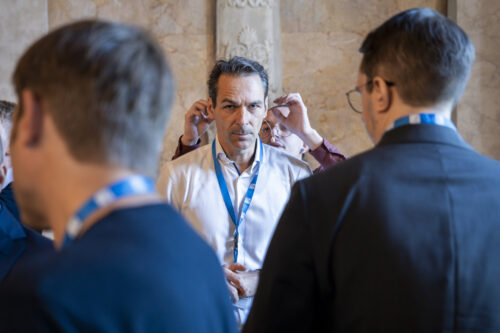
424	133
12	242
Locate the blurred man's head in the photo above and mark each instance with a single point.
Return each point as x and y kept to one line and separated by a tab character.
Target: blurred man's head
238	102
420	56
277	135
98	93
6	111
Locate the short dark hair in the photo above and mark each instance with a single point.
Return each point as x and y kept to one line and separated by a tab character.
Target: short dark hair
427	55
6	110
109	88
235	66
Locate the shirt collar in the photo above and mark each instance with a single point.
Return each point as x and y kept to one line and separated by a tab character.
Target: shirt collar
221	155
422	118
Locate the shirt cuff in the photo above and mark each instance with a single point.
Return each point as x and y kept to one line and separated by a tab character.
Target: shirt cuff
327	154
183	149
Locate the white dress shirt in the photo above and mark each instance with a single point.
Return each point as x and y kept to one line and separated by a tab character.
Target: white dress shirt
190	184
9	178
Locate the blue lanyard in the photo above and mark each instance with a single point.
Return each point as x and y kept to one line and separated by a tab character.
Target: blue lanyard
130	186
227	199
423	118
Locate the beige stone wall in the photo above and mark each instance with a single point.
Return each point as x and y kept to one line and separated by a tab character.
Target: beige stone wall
185	29
21	22
320	41
478	115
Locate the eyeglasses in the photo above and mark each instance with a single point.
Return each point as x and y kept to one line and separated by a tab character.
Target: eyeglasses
355	97
266	131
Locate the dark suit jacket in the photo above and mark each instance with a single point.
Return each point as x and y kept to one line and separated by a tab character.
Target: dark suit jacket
402	238
18	244
138	269
8	200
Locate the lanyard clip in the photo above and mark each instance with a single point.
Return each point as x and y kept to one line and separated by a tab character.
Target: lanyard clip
236	239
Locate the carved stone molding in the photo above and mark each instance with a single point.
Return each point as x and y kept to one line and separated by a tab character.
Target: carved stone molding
248	3
251	29
249	46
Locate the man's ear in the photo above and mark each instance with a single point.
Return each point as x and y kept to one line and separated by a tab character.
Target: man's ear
381	95
266	104
30	121
211	108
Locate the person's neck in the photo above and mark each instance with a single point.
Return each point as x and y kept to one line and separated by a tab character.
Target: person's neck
72	187
403	110
242	158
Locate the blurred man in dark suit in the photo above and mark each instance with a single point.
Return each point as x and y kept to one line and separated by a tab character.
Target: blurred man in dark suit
94	99
406	236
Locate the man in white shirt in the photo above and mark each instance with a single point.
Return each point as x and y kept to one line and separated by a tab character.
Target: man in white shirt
233	190
6	111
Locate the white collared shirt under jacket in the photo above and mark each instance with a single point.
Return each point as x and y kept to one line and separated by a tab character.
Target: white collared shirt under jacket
190	185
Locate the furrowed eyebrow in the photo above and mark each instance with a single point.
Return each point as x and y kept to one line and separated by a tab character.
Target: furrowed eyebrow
227	100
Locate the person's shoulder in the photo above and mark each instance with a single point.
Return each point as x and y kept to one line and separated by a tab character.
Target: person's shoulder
7	192
283	160
175	174
154	215
157	222
135	255
132	242
37	245
343	176
488	161
192	158
192	161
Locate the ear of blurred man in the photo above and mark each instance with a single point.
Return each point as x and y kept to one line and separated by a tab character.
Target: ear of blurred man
30	120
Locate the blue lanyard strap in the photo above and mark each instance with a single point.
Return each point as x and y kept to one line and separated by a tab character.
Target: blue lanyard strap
423	118
130	186
227	199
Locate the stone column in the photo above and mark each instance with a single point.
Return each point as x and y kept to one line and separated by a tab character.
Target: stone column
251	29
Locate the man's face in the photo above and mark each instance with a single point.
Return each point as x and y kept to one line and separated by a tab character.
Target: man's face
367	116
241	107
5	127
275	134
27	175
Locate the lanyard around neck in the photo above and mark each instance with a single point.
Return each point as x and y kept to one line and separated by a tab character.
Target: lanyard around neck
227	199
423	118
130	186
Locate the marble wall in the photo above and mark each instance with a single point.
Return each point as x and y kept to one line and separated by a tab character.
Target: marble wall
478	113
185	29
21	22
320	41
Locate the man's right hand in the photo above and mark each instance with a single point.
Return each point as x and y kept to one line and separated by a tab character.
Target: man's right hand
233	291
196	122
297	120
